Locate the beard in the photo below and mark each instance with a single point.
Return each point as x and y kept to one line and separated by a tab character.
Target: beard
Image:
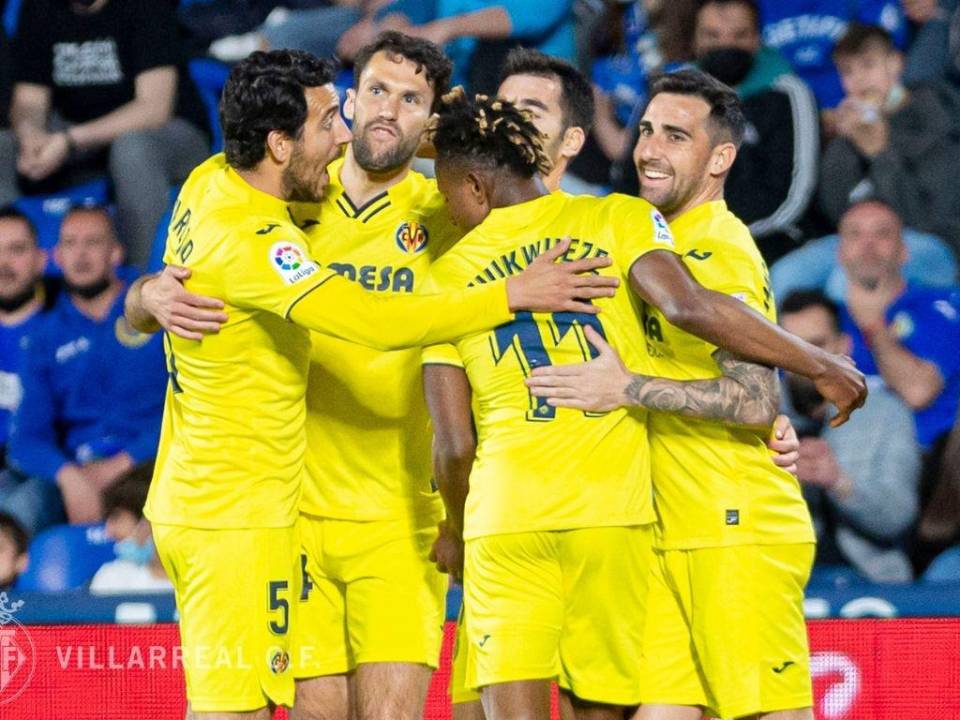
388	159
90	290
301	179
805	397
15	300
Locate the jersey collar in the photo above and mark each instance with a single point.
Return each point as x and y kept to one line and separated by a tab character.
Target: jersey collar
696	215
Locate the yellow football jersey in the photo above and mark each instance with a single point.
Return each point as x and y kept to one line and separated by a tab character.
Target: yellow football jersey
715	484
538	467
232	441
368	429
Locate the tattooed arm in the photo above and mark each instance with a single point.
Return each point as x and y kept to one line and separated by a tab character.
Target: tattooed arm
746	393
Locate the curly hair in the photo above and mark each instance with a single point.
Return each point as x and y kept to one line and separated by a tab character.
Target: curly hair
490	132
265	92
427	56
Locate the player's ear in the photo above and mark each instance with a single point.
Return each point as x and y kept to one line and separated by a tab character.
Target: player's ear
479	186
279	145
722	158
573	140
350	104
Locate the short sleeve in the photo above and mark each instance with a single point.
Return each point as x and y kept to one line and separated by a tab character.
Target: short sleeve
157	41
737	273
270	272
441	355
639	228
939	340
32	52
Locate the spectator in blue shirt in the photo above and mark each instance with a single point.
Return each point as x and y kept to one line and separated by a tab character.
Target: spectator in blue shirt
22	297
93	387
805	31
908	335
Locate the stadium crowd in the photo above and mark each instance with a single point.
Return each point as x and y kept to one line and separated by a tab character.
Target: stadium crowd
844	178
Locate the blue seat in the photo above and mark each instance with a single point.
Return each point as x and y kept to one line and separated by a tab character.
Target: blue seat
945	567
47	211
11	16
65	557
210	76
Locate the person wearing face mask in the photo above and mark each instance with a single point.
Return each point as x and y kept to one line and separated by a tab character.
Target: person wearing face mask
93	386
137	567
861	484
100	88
781	142
899	143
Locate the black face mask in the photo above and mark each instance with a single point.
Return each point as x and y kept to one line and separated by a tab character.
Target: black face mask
82	4
88	292
729	65
12	304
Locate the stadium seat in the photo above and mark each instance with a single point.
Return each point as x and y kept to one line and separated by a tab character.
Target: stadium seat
210	76
47	211
945	567
65	557
11	15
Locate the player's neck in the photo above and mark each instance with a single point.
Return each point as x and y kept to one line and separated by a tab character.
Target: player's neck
518	190
552	181
361	185
709	193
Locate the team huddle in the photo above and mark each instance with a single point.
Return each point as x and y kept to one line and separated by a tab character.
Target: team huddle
565	402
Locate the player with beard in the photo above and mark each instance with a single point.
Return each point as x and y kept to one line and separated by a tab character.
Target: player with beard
92	387
236	231
725	635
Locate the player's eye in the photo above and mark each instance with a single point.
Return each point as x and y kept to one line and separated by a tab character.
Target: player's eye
411	98
375	89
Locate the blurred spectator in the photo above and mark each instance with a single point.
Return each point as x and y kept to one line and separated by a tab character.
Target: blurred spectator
939	524
633	40
476	34
100	86
928	59
21	298
314	29
899	144
930	262
14	557
860	482
909	336
93	387
773	179
137	567
804	31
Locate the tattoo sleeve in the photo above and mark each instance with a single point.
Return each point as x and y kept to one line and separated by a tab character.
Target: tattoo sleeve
746	393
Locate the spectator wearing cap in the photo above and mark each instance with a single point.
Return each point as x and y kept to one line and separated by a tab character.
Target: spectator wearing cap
93	387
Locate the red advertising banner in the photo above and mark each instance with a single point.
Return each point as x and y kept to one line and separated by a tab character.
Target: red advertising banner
906	669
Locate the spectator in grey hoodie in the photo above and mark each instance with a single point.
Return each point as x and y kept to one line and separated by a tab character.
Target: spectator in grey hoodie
860	479
900	144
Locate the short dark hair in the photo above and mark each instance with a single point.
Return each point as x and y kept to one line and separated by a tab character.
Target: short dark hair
11	212
576	93
265	92
489	132
15	531
800	300
751	5
726	111
129	492
427	56
859	37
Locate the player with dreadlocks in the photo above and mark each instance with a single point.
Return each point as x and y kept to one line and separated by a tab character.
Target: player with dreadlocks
557	521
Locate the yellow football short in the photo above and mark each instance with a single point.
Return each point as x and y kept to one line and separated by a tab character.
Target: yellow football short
236	592
565	605
725	629
459	692
370	594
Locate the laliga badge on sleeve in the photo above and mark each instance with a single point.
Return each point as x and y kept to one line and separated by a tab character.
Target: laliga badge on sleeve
291	262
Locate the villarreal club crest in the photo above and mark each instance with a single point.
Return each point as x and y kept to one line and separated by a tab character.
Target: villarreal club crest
412	237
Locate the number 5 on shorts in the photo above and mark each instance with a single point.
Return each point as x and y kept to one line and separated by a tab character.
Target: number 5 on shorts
277	603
